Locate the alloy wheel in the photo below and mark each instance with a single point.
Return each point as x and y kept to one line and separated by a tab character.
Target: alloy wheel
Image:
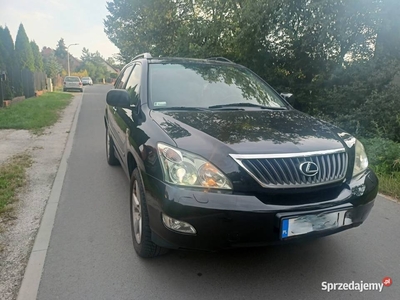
136	213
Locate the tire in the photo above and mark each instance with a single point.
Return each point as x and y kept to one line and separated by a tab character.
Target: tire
112	160
141	232
64	90
81	90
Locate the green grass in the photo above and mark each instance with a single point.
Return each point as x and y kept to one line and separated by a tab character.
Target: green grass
34	113
390	185
12	177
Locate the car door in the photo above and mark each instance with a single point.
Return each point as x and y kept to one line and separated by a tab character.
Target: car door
116	116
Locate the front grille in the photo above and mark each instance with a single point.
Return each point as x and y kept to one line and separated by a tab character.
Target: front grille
284	171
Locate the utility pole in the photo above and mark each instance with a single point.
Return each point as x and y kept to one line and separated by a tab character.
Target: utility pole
69	73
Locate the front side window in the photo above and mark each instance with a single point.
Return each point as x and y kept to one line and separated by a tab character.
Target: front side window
133	84
124	78
205	85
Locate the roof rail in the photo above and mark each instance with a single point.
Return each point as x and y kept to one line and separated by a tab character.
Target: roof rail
144	55
220	58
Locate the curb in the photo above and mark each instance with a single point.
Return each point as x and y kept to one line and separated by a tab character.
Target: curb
388	198
33	271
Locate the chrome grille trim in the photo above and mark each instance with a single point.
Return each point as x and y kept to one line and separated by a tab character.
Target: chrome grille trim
286	155
282	170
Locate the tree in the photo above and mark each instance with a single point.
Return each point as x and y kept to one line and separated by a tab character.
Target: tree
37	56
8	44
51	66
2	51
111	61
151	25
7	60
388	29
2	68
61	49
23	51
2	62
94	64
86	55
339	58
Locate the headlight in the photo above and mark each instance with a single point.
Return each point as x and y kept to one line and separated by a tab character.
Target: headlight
361	160
184	168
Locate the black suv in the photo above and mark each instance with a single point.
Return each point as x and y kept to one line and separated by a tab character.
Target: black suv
218	159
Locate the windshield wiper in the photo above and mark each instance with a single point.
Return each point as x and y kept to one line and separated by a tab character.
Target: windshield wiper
244	104
191	108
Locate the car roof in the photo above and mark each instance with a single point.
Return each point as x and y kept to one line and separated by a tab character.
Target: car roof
188	60
146	57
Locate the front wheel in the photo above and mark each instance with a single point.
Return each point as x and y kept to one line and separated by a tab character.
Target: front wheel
110	151
141	232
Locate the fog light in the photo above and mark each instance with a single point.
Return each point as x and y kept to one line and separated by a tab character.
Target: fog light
358	190
177	225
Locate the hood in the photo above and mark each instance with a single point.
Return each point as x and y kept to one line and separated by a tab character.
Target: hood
248	132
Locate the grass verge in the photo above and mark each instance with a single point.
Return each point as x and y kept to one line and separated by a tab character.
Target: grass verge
58	88
12	177
34	113
390	185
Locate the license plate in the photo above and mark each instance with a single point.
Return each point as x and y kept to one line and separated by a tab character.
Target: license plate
314	222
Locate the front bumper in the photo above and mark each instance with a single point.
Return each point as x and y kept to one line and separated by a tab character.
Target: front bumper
226	220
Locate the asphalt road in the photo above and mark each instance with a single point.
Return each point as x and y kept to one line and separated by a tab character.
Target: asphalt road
91	254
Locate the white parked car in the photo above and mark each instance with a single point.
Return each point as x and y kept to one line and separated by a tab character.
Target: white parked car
72	83
87	81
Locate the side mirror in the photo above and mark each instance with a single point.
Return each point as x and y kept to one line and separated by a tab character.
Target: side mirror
289	98
119	98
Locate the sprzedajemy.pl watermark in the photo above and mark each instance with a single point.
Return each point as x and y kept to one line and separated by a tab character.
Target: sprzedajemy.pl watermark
356	286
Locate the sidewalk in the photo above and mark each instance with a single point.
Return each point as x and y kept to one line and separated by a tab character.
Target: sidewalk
17	234
14	141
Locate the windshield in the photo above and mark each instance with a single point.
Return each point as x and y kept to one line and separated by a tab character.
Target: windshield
204	85
85	78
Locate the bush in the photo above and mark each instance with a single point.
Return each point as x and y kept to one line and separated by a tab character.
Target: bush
383	155
362	98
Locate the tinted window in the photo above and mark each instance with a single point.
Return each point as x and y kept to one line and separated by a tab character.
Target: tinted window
124	78
199	84
133	84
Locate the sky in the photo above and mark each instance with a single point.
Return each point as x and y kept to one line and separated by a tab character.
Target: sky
46	21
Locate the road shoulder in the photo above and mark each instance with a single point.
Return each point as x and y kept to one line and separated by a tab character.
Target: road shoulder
18	233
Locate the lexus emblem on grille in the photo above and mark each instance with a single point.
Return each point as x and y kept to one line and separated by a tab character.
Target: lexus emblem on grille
309	168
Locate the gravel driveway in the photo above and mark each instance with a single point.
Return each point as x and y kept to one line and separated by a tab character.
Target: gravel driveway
18	231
